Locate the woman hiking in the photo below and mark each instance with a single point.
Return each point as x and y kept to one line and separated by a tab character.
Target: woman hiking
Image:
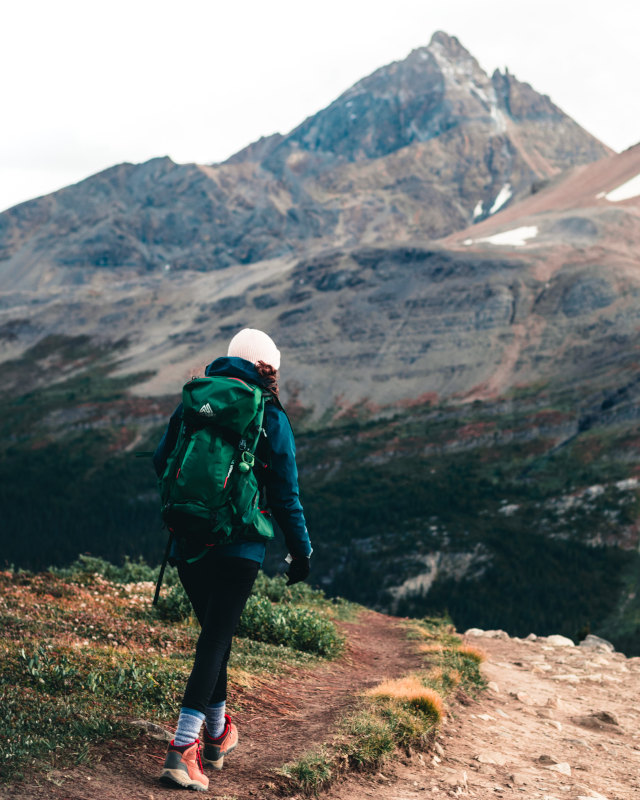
219	582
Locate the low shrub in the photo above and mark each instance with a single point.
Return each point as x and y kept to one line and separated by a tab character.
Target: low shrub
369	738
275	614
300	628
131	570
276	589
174	605
467	666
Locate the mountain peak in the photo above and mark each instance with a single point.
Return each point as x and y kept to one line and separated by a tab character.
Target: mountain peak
450	43
442	47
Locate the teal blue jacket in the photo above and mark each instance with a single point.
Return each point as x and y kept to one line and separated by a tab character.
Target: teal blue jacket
280	479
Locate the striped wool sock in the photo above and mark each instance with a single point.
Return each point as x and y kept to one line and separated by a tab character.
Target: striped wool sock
215	719
189	724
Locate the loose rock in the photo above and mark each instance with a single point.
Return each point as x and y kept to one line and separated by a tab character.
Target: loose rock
571	678
491	757
563	768
559	641
598	721
155	731
591	796
524	698
607	717
592	642
496	634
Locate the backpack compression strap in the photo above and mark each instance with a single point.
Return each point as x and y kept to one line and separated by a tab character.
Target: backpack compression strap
195	421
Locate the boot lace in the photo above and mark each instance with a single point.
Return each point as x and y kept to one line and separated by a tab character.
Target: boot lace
199	758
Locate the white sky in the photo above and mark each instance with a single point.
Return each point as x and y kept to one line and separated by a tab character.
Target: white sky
86	85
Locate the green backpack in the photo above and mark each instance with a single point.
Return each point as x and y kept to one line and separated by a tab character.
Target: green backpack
209	491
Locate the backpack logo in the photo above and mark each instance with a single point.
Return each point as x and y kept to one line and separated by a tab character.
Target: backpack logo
206	410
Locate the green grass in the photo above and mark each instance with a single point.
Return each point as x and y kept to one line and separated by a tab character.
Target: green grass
312	772
83	652
300	628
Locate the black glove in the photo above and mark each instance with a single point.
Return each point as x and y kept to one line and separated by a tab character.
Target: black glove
298	570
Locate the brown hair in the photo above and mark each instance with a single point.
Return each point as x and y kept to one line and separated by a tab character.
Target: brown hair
269	377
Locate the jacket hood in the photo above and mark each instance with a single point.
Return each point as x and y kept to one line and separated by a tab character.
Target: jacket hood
234	367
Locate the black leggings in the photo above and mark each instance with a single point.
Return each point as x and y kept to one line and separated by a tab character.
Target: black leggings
218	589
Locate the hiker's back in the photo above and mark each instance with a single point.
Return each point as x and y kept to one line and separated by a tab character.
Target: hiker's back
209	491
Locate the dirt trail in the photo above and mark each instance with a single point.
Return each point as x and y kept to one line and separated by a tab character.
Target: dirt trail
278	722
557	722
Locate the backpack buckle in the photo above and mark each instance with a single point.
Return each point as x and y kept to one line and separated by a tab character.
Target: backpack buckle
242	444
247	461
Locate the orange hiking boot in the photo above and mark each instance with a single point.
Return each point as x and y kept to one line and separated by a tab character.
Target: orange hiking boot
183	767
216	749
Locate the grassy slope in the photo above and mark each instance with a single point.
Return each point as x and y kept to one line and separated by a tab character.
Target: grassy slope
83	653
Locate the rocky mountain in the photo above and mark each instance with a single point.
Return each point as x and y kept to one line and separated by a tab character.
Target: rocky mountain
420	148
371	326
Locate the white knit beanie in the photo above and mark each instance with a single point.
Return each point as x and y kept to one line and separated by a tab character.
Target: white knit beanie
254	346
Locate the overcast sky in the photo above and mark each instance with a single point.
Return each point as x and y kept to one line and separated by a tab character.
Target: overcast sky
86	85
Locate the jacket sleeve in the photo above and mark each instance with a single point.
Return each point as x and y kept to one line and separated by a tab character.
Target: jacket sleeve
282	483
168	442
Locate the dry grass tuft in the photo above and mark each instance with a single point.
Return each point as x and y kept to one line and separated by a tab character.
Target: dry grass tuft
412	691
455	678
430	648
472	652
445	679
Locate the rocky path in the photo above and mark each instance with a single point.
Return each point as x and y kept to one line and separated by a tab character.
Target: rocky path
558	721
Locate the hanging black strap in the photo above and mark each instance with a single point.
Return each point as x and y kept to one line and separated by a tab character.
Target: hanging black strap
162	568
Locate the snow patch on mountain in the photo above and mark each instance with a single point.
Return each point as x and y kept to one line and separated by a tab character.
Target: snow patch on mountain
625	191
503	196
517	237
497	115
